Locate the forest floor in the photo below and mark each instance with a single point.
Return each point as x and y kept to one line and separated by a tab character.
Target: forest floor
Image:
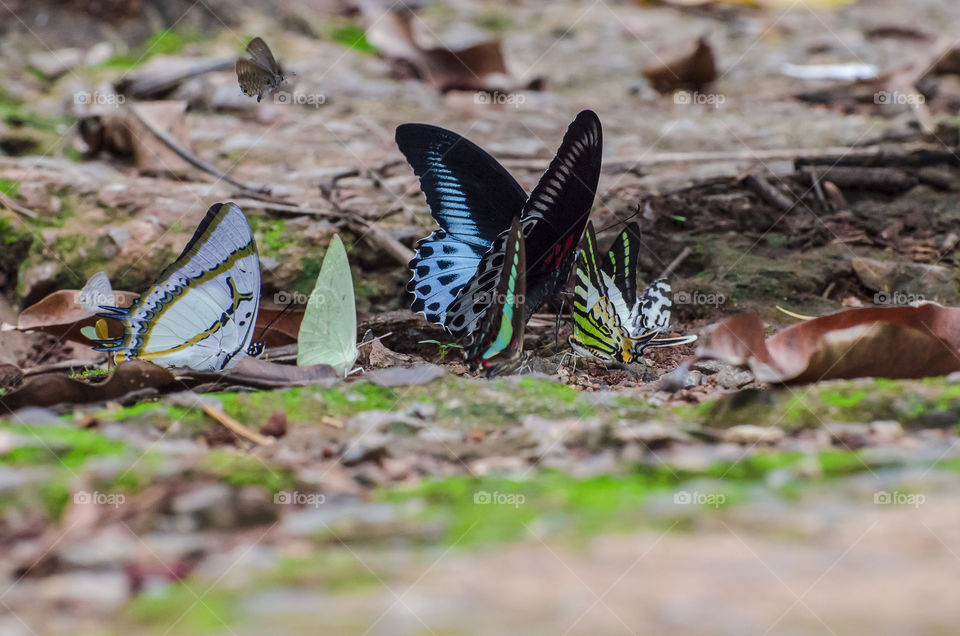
568	500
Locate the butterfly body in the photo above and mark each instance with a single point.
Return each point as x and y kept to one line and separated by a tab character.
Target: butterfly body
261	74
474	199
201	311
498	347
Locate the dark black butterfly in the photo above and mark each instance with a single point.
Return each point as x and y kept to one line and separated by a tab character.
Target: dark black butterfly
499	346
473	199
261	73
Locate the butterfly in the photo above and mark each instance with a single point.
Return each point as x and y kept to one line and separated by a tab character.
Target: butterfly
201	311
649	312
474	200
499	347
328	333
261	73
609	321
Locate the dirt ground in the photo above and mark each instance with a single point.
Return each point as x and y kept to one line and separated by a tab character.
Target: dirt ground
572	500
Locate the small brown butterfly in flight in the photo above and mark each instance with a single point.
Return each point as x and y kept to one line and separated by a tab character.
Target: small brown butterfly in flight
261	73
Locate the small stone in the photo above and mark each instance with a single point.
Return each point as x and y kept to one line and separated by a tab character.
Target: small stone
276	426
423	410
369	446
383	421
119	234
753	434
209	505
734	378
708	367
844	434
53	64
886	431
649	433
99	592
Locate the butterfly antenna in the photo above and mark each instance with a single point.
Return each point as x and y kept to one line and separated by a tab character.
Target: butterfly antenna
266	327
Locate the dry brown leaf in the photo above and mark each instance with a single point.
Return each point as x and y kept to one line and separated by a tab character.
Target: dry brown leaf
52	389
692	72
888	342
62	314
480	67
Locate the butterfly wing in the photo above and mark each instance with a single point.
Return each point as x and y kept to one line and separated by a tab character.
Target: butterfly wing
620	266
652	314
260	53
97	291
328	333
499	347
254	80
471	196
201	311
553	219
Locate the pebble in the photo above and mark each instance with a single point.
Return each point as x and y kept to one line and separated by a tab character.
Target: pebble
753	434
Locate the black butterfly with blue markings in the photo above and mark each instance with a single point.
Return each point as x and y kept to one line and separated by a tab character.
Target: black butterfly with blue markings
498	347
474	200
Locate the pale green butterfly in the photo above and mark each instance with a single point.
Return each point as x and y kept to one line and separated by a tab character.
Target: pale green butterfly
328	333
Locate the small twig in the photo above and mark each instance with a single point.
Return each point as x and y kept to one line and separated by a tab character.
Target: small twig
768	192
8	202
331	421
289	208
192	159
675	263
235	426
372	340
65	365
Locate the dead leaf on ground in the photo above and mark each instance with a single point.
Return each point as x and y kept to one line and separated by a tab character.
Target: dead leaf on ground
887	342
49	389
62	314
692	72
122	134
260	374
480	67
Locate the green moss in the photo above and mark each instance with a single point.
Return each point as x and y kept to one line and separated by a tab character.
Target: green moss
493	509
10	188
57	445
247	470
164	42
495	21
162	607
353	37
333	570
271	239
